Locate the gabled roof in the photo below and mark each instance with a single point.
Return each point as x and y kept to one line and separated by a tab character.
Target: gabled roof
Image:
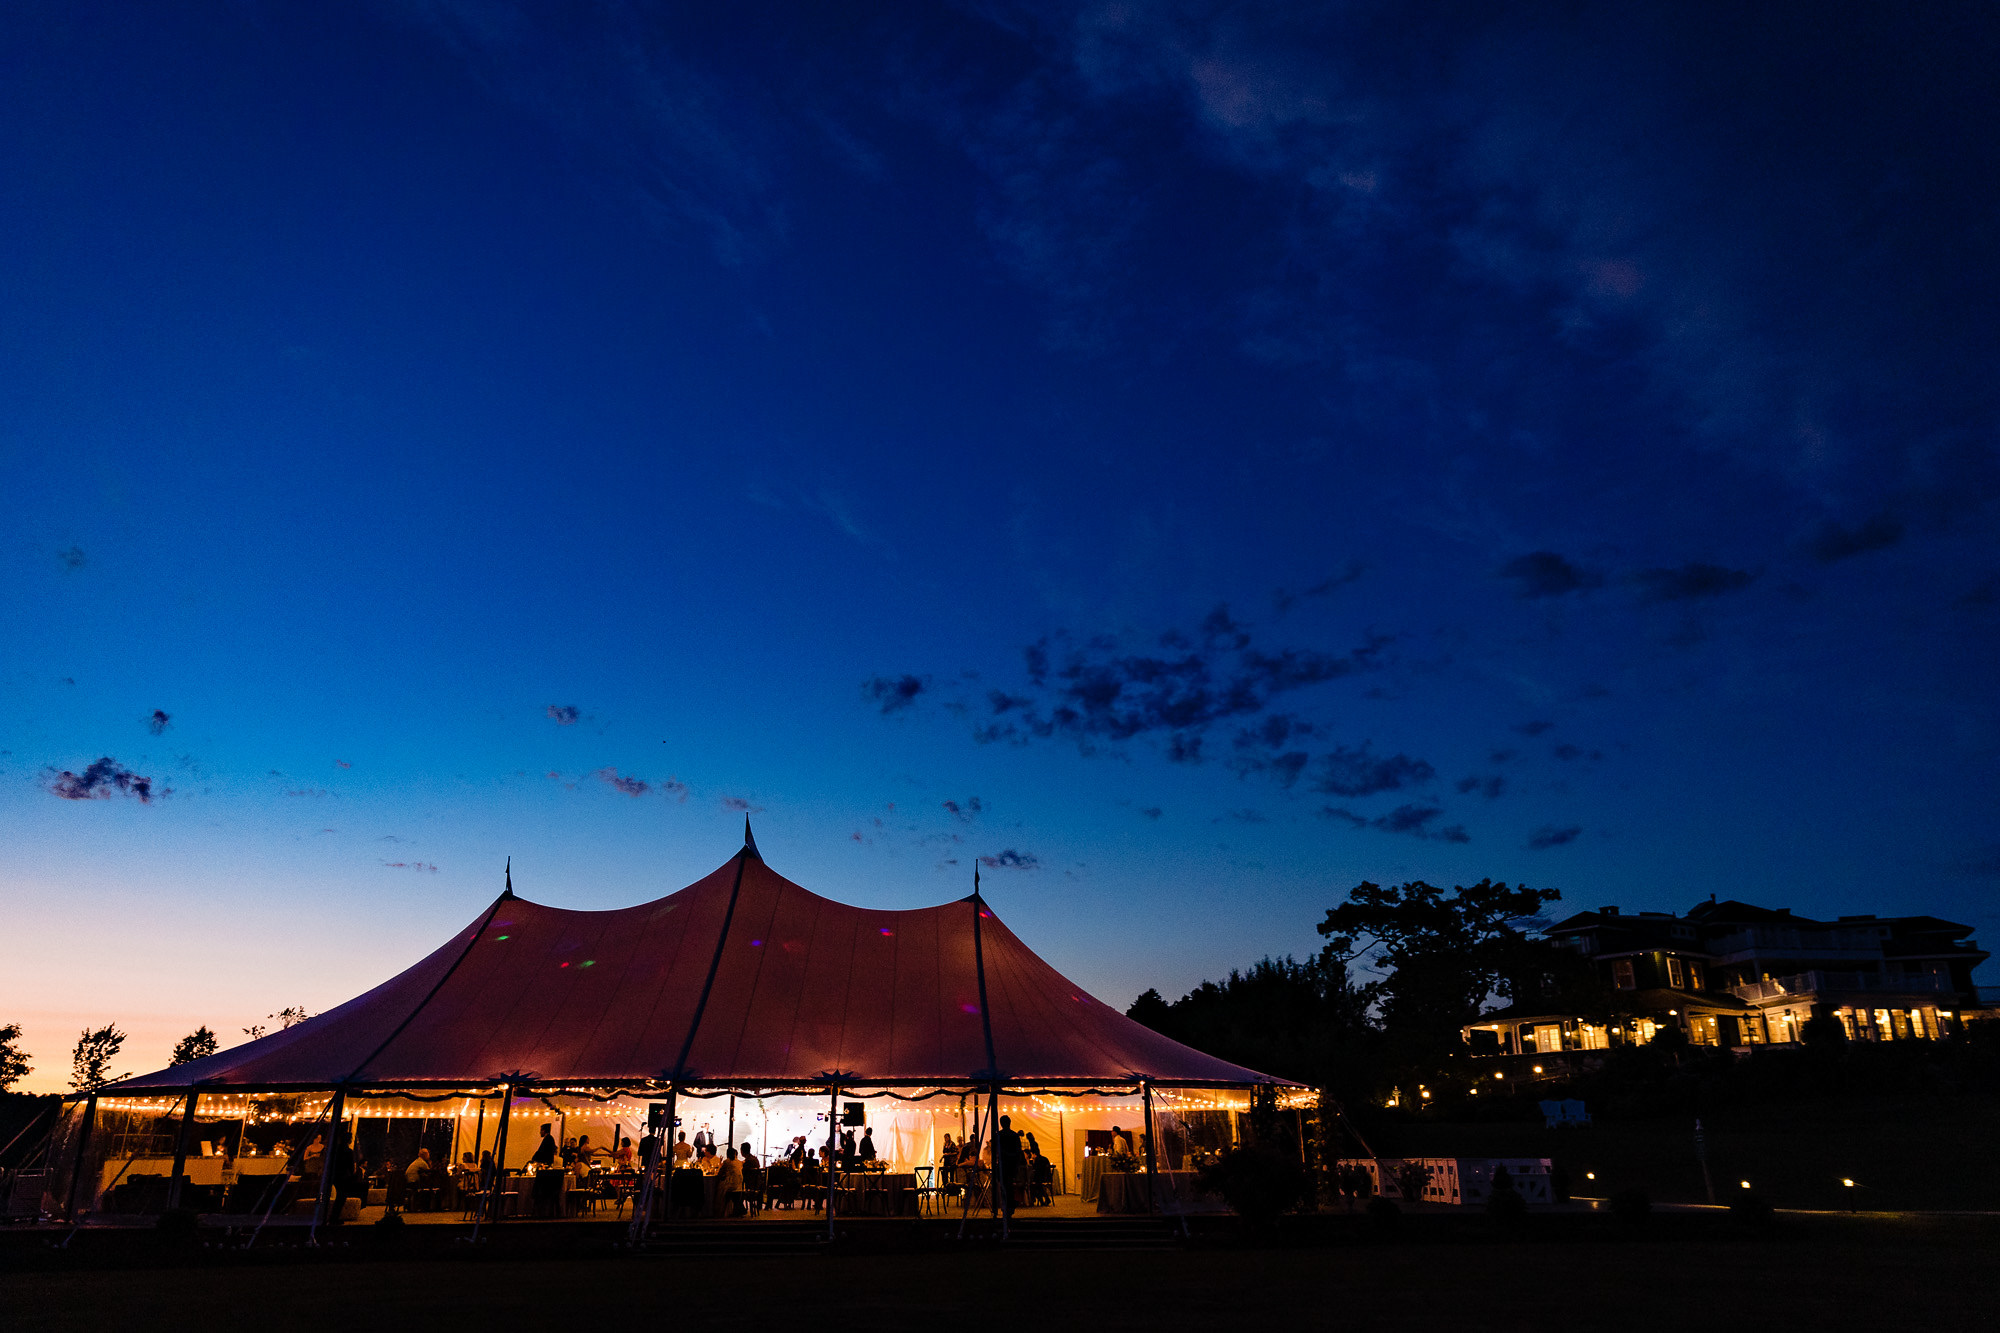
742	978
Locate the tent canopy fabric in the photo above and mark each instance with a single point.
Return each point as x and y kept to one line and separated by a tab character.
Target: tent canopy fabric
742	978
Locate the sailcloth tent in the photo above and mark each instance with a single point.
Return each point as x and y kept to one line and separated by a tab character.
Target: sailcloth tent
741	980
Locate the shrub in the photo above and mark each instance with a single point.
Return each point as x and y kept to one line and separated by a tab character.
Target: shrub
176	1227
1258	1183
1750	1211
1631	1208
1506	1205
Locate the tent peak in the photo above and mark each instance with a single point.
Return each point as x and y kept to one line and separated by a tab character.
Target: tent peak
750	840
508	892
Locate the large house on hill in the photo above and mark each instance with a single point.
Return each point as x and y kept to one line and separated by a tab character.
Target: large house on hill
1730	974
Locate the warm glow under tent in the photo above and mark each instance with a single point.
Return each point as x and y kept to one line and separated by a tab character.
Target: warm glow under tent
741	980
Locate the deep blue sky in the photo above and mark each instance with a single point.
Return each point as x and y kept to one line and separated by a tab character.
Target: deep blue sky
1249	449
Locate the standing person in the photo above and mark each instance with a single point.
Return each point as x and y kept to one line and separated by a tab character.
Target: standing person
683	1151
545	1151
866	1152
948	1162
1012	1163
847	1150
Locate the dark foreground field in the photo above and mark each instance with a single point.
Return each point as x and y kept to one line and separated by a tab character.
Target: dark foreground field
1928	1275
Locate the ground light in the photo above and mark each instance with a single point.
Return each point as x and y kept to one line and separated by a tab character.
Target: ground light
1849	1186
1744	1183
1590	1175
1538	1069
1497	1076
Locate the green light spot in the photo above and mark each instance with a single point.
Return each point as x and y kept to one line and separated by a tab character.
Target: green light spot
503	937
590	962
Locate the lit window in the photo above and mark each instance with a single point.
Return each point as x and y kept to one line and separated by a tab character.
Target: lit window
1694	976
1621	974
1676	974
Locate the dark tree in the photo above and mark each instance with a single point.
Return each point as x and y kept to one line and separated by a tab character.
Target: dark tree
93	1056
1443	955
197	1045
1298	1020
14	1064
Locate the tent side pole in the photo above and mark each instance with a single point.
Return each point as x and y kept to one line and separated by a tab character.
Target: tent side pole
730	1136
832	1153
1062	1147
82	1144
500	1152
999	1178
1152	1146
336	1142
663	1160
479	1135
181	1151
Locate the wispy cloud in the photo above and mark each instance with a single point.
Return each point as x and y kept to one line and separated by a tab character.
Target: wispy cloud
741	806
1413	820
894	693
158	723
964	812
1356	771
102	780
564	715
631	786
424	866
1547	574
1690	581
1010	860
1550	836
1835	542
72	559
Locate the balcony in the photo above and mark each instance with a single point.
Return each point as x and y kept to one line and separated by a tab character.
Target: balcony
1826	984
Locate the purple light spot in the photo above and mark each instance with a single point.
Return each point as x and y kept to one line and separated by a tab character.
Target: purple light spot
887	931
970	1008
756	944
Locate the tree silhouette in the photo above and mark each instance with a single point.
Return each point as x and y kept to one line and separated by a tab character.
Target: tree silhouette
93	1056
197	1045
14	1064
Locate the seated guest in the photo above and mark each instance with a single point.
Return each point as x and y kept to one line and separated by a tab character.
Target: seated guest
728	1179
683	1151
749	1161
584	1153
417	1173
624	1156
568	1154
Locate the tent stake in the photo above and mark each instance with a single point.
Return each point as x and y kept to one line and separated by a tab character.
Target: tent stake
181	1152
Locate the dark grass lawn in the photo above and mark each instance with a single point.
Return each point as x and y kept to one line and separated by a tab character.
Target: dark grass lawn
1923	1277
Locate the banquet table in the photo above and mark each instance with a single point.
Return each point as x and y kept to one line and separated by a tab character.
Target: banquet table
1133	1192
878	1193
1094	1168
